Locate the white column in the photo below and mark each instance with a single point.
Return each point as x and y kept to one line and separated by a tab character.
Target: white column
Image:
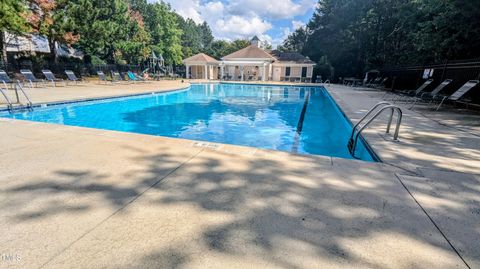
221	71
264	71
241	72
206	71
187	71
270	74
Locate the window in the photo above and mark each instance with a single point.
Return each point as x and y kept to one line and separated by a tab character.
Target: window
304	72
287	71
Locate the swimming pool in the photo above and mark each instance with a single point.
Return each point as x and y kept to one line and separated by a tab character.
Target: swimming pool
302	120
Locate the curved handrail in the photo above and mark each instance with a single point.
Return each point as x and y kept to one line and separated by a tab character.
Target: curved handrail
18	86
352	143
9	103
366	115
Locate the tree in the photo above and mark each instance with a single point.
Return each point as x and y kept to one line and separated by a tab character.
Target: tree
295	41
191	37
206	35
356	35
47	19
134	48
162	24
13	14
101	24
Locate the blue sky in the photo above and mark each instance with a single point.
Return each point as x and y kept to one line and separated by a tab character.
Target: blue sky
270	20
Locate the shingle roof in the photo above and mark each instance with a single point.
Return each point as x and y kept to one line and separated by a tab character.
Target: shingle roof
201	58
250	52
291	57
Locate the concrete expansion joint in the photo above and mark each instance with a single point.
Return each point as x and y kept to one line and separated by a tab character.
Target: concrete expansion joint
399	178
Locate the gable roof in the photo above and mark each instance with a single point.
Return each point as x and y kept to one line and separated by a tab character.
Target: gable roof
201	58
291	57
250	52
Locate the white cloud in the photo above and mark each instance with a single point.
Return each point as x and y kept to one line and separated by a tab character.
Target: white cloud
230	19
272	9
297	24
241	27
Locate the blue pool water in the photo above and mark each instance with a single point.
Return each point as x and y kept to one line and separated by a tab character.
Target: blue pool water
251	115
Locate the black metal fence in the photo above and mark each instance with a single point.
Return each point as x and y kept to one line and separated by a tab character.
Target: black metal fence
411	77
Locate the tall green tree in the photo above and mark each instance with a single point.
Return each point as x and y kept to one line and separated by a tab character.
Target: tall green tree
101	25
13	14
162	24
356	35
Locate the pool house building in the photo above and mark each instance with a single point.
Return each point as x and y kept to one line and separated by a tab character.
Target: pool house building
252	63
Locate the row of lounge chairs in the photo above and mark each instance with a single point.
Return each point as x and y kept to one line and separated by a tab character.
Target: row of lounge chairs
436	97
32	80
120	77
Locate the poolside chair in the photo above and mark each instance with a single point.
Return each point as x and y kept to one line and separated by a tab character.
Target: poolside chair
49	76
72	77
379	84
373	82
30	77
5	79
458	94
132	77
430	96
139	78
409	93
123	77
102	77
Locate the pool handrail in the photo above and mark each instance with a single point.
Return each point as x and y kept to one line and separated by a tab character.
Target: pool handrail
352	142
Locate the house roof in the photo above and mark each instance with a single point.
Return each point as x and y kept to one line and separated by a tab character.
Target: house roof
291	57
250	52
201	58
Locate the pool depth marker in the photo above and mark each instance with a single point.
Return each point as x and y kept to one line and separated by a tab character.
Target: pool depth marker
298	133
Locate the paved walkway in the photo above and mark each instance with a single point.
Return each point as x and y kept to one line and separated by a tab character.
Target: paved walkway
85	198
439	142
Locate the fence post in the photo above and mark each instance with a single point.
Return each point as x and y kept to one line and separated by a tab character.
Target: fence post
444	70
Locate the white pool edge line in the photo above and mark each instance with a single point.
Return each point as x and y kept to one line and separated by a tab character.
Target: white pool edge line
93	99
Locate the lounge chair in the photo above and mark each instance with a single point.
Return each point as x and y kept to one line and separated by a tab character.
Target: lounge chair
72	77
102	77
49	76
30	77
5	79
458	94
430	96
117	77
379	84
139	78
409	93
373	82
134	77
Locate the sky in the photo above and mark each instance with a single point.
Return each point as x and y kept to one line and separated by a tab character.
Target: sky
270	20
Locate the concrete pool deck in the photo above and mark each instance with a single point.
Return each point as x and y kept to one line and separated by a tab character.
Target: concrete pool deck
85	198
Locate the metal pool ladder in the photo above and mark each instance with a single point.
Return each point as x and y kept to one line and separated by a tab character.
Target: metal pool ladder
378	109
18	87
9	102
